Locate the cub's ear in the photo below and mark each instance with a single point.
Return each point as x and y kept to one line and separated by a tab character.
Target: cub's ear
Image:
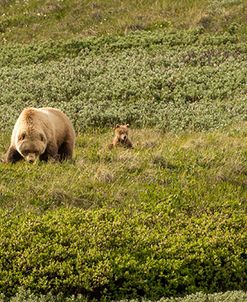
117	126
42	138
127	125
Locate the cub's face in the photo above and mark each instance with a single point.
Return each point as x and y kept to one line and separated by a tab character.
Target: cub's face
31	146
121	132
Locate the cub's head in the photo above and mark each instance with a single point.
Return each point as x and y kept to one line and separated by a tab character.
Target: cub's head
122	132
31	145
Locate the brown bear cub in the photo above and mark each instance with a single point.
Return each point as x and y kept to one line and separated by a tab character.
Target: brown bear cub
121	137
42	134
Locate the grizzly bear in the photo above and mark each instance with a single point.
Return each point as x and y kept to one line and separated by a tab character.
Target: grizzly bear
121	137
41	133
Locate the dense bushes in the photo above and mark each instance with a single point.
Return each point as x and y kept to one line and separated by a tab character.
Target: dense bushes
174	81
114	254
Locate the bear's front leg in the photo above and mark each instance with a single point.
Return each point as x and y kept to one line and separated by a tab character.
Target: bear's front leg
65	151
12	155
50	152
128	144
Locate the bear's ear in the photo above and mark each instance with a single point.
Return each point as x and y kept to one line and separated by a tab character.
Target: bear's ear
22	136
117	126
127	125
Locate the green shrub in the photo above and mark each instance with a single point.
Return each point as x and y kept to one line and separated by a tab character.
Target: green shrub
114	254
174	81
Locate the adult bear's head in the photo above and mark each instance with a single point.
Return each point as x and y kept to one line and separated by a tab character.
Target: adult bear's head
31	144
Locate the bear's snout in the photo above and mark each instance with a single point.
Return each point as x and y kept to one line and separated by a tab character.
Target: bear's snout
123	137
31	158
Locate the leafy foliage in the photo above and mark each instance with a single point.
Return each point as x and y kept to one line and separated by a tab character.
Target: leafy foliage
120	254
170	80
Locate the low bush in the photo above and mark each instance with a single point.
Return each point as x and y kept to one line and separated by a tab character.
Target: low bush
175	81
112	254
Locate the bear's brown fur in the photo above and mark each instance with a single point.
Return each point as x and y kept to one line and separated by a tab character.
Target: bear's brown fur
41	133
121	137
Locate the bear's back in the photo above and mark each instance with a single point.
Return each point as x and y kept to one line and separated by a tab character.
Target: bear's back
58	122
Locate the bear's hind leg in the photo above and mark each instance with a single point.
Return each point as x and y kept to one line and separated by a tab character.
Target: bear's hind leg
12	155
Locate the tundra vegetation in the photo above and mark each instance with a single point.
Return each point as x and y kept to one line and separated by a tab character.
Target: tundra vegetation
164	219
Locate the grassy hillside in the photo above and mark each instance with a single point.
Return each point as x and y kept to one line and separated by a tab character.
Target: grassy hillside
161	166
164	219
35	20
167	218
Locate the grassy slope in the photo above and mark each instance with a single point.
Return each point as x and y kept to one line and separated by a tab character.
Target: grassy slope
172	190
36	20
201	171
166	218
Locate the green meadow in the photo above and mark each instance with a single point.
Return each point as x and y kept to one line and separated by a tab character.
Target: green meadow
164	221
